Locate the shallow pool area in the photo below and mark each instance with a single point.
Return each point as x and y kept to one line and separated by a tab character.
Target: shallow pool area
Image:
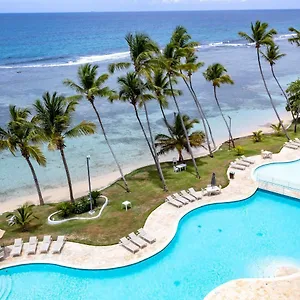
284	174
213	244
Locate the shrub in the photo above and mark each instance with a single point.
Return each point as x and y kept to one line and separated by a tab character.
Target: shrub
277	129
239	150
95	196
66	208
81	206
257	136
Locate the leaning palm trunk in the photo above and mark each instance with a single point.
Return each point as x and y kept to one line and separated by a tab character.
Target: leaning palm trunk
283	92
165	119
228	128
268	92
109	146
184	129
62	153
37	185
161	175
149	145
201	116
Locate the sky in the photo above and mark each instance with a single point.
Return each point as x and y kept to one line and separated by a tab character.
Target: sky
140	5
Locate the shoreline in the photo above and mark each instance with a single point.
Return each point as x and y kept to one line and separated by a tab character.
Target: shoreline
80	188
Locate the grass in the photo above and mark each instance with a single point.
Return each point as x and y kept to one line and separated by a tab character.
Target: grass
146	195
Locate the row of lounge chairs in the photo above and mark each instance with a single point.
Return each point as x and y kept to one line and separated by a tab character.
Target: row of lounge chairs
295	144
135	242
184	198
33	244
242	163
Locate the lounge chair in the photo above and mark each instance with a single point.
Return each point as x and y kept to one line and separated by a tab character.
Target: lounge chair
32	245
290	146
297	142
174	202
179	198
187	196
197	195
236	166
129	245
137	240
58	244
17	247
176	169
247	159
266	154
2	253
46	244
242	163
294	143
145	236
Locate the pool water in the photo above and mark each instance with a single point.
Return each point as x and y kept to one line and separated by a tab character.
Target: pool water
213	245
281	173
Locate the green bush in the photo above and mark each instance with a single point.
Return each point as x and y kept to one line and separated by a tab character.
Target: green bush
81	206
95	196
66	208
239	150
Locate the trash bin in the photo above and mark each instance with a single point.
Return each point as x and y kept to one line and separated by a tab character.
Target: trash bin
231	175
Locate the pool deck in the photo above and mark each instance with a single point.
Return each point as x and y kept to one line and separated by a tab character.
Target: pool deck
162	224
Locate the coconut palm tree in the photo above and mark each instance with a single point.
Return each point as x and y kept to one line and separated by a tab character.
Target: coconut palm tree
257	136
261	36
21	134
134	91
216	74
272	55
91	86
177	140
276	128
293	92
296	38
23	216
55	117
170	62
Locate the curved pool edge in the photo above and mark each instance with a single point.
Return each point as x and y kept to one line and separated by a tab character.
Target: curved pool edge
163	223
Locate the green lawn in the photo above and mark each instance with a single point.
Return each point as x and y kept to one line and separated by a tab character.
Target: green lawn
146	194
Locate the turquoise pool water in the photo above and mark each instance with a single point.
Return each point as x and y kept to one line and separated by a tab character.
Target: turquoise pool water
213	245
285	173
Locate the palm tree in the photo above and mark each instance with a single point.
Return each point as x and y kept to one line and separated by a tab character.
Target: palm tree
261	36
296	38
23	216
182	40
91	86
257	136
22	135
54	115
216	75
133	90
276	128
293	92
169	61
177	140
272	55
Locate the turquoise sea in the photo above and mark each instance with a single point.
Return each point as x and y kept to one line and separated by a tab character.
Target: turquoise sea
38	51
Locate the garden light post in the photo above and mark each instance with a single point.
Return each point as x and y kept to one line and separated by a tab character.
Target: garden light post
89	181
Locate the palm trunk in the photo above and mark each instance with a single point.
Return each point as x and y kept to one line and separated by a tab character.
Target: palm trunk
62	153
201	116
296	122
154	151
204	116
37	185
268	92
184	129
180	158
147	140
165	119
283	92
110	148
228	128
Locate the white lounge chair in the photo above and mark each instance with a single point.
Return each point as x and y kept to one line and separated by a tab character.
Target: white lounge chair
196	194
187	196
266	154
174	202
46	244
17	247
179	198
294	144
297	142
137	240
32	245
247	159
129	245
242	163
145	236
236	166
176	169
290	146
58	244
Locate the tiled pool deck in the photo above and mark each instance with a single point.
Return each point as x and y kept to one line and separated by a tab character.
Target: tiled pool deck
162	223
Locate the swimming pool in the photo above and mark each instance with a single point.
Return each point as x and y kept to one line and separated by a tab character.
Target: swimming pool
281	173
213	245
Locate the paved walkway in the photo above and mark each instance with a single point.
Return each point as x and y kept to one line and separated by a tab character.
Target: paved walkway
162	224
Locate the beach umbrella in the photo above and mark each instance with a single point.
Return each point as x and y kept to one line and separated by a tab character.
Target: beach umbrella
1	233
213	180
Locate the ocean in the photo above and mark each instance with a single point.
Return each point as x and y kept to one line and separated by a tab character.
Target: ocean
38	51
